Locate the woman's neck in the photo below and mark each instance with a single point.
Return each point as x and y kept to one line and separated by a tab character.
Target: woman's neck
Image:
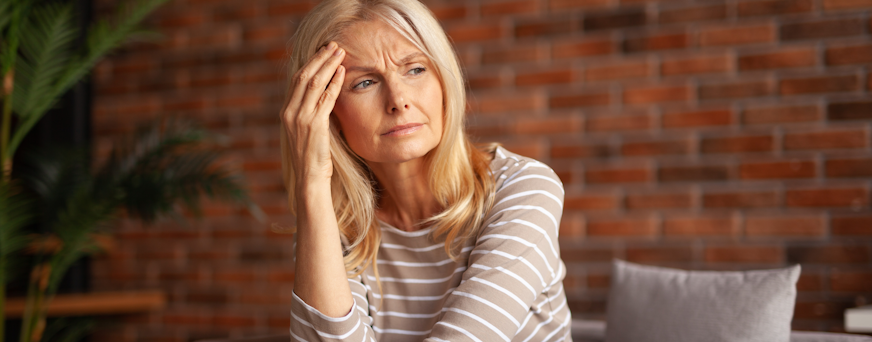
405	197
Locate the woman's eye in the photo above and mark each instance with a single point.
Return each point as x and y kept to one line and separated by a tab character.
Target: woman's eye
363	84
417	71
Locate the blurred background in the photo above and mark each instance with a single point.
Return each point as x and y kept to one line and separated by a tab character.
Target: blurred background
707	134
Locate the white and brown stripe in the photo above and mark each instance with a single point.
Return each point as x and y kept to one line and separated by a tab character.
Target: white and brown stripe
505	286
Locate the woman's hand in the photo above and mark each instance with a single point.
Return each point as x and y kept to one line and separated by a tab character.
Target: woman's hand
306	116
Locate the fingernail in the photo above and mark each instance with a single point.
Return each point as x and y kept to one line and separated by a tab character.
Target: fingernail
338	52
332	45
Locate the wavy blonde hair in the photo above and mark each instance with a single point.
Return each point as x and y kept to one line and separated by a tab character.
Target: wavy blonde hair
459	173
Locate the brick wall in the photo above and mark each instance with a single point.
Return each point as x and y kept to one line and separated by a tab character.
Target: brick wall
697	134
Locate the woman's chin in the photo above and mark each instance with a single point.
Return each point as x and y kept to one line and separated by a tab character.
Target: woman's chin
402	152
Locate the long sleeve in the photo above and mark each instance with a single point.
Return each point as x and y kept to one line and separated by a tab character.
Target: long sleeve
512	289
309	324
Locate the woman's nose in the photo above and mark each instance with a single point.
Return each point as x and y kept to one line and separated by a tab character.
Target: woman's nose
397	102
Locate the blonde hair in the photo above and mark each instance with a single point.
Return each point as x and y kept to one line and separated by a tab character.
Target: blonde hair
459	173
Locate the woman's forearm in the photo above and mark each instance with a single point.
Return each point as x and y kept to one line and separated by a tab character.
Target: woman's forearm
320	279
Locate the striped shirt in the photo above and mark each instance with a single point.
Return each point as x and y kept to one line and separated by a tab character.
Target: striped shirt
507	285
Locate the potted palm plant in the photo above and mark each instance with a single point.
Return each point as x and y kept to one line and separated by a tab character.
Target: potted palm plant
166	165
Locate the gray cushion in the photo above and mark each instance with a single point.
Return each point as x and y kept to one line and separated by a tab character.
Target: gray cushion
659	304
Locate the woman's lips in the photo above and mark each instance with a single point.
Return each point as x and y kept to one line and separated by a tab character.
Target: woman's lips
403	130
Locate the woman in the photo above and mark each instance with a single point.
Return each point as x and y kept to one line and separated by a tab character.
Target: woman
405	232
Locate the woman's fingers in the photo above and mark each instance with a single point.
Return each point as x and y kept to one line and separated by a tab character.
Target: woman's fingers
328	98
317	83
302	77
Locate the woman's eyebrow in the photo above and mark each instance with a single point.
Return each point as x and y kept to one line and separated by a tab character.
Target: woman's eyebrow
403	61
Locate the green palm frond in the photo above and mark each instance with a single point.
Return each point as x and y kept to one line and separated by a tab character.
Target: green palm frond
54	176
15	214
5	14
103	36
47	39
165	165
68	329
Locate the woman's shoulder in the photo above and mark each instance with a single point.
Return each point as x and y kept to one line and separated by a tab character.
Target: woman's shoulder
511	169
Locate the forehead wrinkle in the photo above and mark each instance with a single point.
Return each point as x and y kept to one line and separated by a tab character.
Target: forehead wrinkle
375	44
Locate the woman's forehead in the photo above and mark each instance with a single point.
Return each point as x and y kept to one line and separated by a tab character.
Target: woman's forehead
371	42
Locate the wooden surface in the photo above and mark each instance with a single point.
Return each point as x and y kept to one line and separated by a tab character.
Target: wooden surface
101	303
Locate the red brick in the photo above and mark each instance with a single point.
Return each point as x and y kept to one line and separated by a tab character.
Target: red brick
854	110
622	227
238	276
548	125
735	90
694	13
509	7
850	281
823	29
819	84
618	71
656	42
832	254
580	151
543	27
584	48
849	168
476	32
695	65
809	282
513	54
835	5
598	281
784	226
267	32
617	123
591	202
774	7
587	255
701	173
571	227
558	5
828	197
780	114
617	175
853	54
182	20
603	20
186	319
656	94
445	11
558	76
737	35
828	310
744	254
501	103
134	66
738	144
744	199
653	148
785	58
234	321
852	225
654	255
485	80
778	170
700	118
700	226
584	99
660	200
283	9
831	139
